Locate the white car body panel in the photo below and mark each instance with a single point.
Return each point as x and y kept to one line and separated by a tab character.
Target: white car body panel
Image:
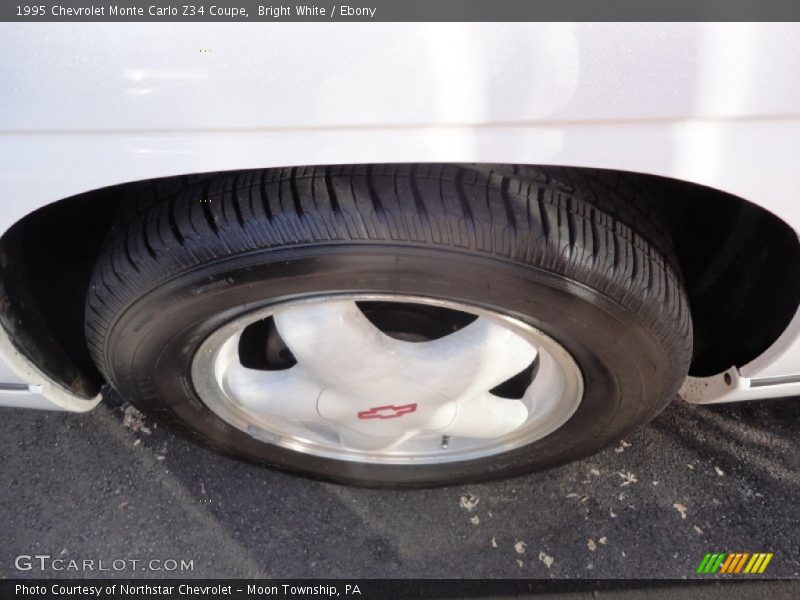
84	106
25	386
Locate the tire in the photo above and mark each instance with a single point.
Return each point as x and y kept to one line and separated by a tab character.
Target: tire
578	255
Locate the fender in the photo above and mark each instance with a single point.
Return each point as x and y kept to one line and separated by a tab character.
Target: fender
711	103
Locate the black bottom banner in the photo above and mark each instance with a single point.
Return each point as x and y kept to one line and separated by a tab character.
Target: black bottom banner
395	589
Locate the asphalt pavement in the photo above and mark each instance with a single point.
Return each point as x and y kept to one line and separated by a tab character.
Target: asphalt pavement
101	486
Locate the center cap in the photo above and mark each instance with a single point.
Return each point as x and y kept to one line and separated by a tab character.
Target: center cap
381	415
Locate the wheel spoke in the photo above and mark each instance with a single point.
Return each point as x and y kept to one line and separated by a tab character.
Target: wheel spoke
486	416
289	394
336	343
470	361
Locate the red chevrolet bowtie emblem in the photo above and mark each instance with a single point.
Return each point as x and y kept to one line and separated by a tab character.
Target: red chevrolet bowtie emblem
390	411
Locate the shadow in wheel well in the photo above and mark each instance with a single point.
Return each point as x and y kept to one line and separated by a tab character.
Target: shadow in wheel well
739	263
46	260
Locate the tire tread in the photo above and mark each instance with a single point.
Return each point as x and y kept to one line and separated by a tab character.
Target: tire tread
596	227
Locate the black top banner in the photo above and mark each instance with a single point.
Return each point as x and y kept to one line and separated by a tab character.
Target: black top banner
399	10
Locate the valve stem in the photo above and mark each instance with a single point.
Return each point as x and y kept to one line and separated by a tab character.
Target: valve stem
445	441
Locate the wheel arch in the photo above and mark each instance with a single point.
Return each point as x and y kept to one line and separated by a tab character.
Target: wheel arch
738	261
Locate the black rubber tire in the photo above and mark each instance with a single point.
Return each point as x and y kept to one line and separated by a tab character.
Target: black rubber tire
579	254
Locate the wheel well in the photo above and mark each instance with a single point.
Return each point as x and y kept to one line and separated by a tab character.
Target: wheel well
737	259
